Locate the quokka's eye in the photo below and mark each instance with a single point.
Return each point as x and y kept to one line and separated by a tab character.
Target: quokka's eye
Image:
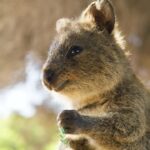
74	50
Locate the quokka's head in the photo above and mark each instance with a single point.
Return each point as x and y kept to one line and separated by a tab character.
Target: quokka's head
84	57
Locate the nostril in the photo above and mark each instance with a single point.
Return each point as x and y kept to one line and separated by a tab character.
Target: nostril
48	75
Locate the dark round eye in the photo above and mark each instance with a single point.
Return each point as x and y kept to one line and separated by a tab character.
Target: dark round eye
74	50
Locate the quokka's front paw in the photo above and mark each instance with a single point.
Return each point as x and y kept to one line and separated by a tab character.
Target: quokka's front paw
71	121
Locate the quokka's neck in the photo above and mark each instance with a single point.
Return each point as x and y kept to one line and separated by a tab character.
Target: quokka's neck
129	86
99	98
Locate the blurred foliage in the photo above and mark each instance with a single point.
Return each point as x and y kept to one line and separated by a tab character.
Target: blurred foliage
36	133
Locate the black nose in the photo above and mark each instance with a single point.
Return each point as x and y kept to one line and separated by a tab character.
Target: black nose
48	75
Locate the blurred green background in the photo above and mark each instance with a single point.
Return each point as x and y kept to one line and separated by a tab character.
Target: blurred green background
27	111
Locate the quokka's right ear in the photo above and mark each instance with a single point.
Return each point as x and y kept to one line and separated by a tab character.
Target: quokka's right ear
99	14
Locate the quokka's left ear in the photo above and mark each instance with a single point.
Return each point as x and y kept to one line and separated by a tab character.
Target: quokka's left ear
99	14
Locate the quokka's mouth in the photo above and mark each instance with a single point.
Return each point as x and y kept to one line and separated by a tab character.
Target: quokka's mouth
46	84
54	85
61	85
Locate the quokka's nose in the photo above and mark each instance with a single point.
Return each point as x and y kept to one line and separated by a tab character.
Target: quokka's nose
48	75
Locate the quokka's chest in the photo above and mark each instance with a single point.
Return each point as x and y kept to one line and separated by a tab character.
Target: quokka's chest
95	111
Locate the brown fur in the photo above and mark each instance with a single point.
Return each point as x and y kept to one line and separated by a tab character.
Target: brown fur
111	105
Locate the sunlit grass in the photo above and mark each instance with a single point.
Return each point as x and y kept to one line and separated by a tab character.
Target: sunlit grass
52	146
18	133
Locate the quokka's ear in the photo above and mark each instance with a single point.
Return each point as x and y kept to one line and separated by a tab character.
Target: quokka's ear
62	24
99	14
